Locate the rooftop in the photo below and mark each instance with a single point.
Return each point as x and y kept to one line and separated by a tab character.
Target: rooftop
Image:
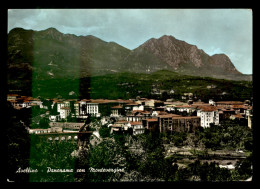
208	108
136	123
151	120
117	107
184	106
230	102
168	116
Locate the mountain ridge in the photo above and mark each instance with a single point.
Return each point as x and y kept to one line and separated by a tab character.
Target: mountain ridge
80	56
175	52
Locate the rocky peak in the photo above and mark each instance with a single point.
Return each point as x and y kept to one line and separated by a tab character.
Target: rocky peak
51	33
223	61
173	51
166	53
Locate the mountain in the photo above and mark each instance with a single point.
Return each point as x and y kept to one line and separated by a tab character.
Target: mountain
188	59
51	54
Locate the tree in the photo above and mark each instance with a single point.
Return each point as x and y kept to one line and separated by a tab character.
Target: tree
104	131
54	111
106	155
44	123
47	103
56	155
18	146
208	171
243	168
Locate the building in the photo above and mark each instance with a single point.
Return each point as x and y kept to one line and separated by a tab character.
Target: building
76	108
185	123
64	112
85	107
249	116
137	127
151	124
212	102
120	127
12	97
227	113
208	115
132	106
116	111
54	118
228	104
185	109
67	125
138	115
92	109
82	108
178	123
62	104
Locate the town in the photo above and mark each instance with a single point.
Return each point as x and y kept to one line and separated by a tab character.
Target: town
138	115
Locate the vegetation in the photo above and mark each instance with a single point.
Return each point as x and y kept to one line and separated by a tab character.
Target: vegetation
140	158
45	155
130	85
228	136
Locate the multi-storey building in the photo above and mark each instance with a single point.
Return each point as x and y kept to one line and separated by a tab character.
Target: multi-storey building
64	112
92	109
62	104
138	115
85	107
138	128
178	123
116	111
208	115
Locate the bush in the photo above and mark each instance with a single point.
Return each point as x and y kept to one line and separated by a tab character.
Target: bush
104	131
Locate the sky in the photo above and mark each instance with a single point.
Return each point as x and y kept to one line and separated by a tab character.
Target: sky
215	31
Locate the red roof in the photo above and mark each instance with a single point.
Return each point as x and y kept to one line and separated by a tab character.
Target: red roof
184	106
132	104
117	107
231	110
186	117
208	108
136	123
168	116
151	120
230	102
12	100
239	106
12	95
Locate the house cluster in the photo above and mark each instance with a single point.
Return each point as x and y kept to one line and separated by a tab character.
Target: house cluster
143	114
19	101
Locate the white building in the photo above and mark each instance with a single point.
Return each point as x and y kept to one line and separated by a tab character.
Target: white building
211	102
63	104
88	108
92	108
137	128
64	112
116	111
208	115
54	118
125	125
140	107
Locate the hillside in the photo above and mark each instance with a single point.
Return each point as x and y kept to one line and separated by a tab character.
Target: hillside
130	85
50	53
188	59
47	56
